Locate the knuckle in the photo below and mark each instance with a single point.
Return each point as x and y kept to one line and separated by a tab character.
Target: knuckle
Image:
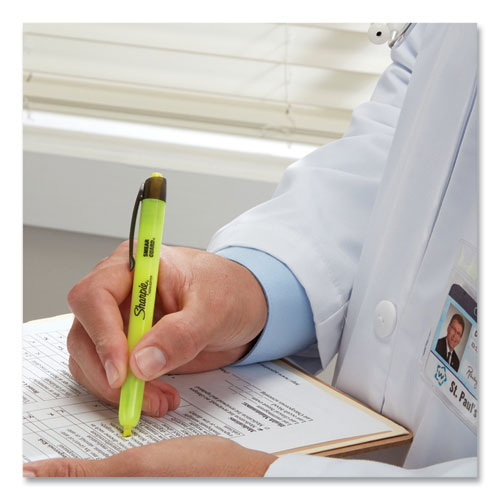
76	468
189	337
103	345
66	467
123	244
77	294
118	254
72	343
108	394
74	369
102	262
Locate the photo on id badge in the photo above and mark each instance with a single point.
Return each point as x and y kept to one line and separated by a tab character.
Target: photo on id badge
455	345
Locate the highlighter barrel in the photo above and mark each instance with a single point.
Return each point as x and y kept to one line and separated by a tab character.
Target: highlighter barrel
144	286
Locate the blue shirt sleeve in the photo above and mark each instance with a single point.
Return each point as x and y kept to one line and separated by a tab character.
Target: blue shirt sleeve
290	326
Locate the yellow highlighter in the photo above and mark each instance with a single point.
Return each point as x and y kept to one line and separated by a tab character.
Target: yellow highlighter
152	197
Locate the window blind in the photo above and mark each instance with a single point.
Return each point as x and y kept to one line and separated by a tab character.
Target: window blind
293	82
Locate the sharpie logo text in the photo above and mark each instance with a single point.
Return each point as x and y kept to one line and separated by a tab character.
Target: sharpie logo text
140	308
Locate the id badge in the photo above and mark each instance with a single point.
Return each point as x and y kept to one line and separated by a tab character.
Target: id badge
451	360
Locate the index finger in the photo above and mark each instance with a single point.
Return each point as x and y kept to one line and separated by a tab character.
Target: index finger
95	301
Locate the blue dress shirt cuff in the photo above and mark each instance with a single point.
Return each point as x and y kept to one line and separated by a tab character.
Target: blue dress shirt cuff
290	326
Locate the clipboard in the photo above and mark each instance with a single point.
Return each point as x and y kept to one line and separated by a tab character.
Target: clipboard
396	436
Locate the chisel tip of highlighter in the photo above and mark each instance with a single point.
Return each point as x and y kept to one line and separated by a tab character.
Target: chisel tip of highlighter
127	431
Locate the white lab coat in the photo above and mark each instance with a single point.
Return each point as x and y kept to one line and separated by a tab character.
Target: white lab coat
378	215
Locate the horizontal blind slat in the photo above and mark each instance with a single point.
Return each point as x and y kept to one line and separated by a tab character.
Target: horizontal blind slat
345	50
300	81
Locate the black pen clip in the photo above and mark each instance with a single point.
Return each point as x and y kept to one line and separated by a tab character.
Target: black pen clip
140	196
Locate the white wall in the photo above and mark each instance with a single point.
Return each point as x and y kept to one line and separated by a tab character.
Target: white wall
53	261
97	197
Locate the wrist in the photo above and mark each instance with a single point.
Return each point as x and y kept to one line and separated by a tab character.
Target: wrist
259	464
253	305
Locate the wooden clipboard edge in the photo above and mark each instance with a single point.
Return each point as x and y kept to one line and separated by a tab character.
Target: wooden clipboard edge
356	449
352	446
396	436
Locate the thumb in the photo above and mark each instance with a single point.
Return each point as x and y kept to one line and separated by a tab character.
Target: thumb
173	341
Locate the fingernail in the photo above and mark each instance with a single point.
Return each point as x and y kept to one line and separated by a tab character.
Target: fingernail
150	361
112	372
28	473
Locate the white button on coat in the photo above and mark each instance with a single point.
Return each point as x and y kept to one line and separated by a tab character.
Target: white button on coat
384	319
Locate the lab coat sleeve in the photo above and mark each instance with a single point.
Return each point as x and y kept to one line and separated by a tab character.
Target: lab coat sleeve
317	219
295	465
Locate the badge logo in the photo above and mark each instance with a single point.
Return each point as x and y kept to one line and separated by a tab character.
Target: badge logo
440	375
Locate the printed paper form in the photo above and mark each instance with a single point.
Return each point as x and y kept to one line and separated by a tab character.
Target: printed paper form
263	406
